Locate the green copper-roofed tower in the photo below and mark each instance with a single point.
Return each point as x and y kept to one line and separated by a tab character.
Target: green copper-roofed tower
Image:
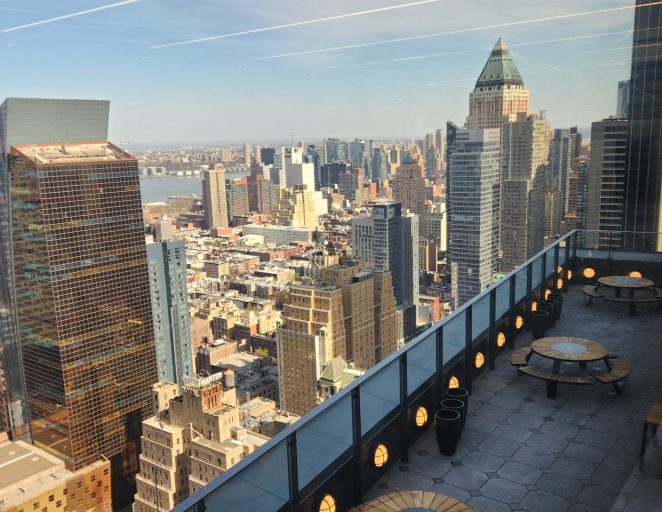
499	93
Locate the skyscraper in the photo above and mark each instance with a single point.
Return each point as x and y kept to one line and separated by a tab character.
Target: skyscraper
623	99
83	298
387	240
499	93
215	198
525	152
473	221
643	178
30	121
312	334
166	260
605	183
409	186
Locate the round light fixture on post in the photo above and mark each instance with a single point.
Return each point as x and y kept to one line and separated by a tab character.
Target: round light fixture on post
589	273
534	306
480	360
519	322
453	382
421	416
568	275
562	243
328	504
501	339
381	456
559	270
634	273
548	292
559	283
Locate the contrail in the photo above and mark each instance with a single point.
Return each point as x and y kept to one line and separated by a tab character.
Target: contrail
72	15
295	24
475	50
459	31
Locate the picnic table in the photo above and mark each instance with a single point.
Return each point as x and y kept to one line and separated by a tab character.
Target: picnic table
630	284
574	350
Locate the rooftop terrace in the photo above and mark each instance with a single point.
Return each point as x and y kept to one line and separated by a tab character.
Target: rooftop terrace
579	452
520	450
82	152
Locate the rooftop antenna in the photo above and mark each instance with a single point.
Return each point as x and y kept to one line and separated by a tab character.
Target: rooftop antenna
292	141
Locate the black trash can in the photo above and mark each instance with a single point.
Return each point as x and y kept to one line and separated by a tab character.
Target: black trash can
539	321
456	405
548	307
448	426
460	394
558	297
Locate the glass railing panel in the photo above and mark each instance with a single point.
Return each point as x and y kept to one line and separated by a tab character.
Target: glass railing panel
323	439
421	362
380	394
536	269
454	336
549	264
503	296
521	289
262	475
480	316
239	494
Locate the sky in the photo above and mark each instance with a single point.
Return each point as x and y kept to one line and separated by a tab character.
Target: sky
311	68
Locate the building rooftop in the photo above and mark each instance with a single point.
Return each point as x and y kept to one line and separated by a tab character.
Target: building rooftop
523	451
499	69
83	152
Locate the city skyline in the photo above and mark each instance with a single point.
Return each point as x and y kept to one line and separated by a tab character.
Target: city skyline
335	66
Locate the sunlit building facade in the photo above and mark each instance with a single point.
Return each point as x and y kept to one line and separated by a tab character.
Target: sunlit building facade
83	299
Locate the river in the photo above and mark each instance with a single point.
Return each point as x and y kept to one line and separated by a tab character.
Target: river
155	190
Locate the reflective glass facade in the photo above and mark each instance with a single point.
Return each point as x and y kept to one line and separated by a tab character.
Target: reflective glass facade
83	300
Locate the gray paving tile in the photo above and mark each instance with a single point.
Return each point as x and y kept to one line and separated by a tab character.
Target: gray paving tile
493	412
615	480
540	501
488	504
585	452
482	461
537	409
560	485
547	442
621	461
595	438
512	433
581	507
480	395
479	424
466	478
639	505
498	446
520	473
599	497
429	465
524	420
507	401
572	417
650	490
451	490
503	490
573	468
626	446
534	457
559	428
471	438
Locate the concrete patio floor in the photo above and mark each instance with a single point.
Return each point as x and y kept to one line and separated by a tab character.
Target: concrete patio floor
579	453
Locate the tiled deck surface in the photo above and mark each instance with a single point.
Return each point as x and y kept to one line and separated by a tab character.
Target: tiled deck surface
580	452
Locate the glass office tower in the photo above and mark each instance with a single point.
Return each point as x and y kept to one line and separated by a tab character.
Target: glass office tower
83	301
643	177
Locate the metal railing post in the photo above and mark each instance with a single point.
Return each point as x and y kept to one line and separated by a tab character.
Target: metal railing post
356	439
440	366
468	349
293	471
491	339
511	315
567	264
556	267
543	277
404	445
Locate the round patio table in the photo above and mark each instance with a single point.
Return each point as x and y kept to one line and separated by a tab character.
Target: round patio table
627	282
573	350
